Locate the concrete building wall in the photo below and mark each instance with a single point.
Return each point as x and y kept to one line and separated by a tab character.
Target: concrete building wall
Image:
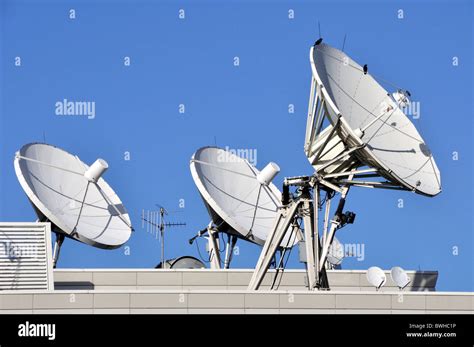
125	291
232	279
215	301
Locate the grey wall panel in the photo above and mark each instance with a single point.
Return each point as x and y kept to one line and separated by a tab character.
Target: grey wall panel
69	301
302	300
229	301
216	300
205	279
174	300
358	301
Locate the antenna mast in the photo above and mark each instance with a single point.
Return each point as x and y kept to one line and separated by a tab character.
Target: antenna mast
155	223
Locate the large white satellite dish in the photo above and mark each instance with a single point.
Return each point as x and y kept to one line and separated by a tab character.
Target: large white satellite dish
241	200
400	277
357	134
371	122
72	196
376	277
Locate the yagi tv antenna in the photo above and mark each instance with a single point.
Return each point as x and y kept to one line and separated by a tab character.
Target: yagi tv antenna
156	224
376	277
399	277
357	134
72	196
241	200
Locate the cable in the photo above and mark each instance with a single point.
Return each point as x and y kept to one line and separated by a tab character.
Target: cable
287	259
80	211
200	255
293	231
255	209
222	249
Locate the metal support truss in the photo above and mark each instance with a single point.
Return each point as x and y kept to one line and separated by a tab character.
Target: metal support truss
337	153
305	207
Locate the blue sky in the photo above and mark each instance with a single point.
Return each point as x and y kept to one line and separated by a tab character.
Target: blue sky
190	62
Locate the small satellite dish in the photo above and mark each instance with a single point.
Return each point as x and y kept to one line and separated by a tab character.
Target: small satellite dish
240	199
376	277
72	196
400	277
372	122
336	253
185	262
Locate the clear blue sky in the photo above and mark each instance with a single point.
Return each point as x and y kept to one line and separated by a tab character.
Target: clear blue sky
190	61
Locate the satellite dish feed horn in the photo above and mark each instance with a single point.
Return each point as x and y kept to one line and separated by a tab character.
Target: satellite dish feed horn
266	176
96	170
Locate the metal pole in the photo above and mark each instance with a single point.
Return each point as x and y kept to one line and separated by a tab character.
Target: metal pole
214	253
334	224
227	252
233	241
326	220
57	248
316	231
308	237
162	231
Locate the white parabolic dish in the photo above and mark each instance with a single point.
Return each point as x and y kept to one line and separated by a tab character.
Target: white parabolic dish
237	202
393	145
54	182
376	276
400	277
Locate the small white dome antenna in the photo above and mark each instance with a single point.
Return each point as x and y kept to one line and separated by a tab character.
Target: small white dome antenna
399	277
376	277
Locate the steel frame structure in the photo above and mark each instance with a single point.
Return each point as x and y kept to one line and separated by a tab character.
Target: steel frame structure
340	161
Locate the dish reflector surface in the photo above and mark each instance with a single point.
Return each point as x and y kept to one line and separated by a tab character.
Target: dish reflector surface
400	277
336	252
392	142
237	202
55	183
376	276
